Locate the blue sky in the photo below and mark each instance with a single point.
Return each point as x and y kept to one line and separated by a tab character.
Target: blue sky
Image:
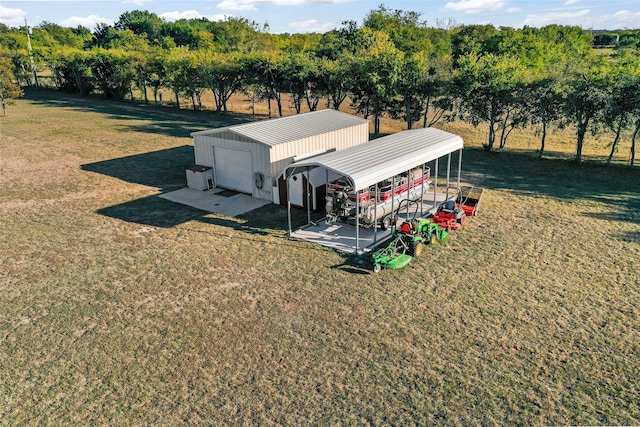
298	16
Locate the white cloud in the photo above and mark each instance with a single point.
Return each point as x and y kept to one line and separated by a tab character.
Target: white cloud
190	14
310	26
568	2
136	2
584	19
253	4
90	21
619	20
12	17
568	18
238	5
476	6
513	10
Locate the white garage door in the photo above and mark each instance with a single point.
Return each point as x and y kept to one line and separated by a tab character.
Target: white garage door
233	169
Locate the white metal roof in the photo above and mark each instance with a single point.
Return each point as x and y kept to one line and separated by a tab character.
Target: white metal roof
290	128
382	158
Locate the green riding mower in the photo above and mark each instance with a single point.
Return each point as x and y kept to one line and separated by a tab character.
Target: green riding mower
407	240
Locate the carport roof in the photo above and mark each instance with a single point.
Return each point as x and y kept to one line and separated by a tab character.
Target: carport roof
290	128
372	162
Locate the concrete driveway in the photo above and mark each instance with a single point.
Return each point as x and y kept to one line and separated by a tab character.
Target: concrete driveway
217	200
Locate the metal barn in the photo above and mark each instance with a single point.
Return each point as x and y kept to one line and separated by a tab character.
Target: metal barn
251	157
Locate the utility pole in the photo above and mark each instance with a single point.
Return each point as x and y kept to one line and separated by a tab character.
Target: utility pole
33	64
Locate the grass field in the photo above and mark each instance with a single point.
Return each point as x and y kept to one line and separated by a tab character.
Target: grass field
121	308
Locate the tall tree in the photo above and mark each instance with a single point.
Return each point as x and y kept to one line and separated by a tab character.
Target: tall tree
405	29
299	74
185	76
412	79
623	95
545	106
265	70
9	88
584	92
113	71
335	79
156	74
436	91
470	39
72	70
486	86
377	71
141	22
223	73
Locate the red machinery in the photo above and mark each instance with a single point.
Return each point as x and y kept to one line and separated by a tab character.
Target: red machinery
450	216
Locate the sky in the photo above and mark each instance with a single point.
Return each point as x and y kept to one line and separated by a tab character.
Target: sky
302	16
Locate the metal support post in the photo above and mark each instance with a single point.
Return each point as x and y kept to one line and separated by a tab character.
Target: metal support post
357	222
448	174
288	203
459	166
435	186
422	191
308	196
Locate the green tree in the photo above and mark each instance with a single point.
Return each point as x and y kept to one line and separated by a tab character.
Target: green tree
546	106
140	64
185	76
183	33
335	79
487	86
584	92
346	40
622	102
265	71
297	43
60	36
72	70
376	68
470	39
156	74
300	74
223	73
237	35
411	84
113	71
9	88
436	91
405	29
141	23
337	52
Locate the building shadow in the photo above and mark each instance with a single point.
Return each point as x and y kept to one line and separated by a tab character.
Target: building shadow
163	169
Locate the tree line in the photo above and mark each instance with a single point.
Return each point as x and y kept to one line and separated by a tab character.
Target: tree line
394	65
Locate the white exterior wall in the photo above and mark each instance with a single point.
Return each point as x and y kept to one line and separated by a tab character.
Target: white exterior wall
272	160
282	154
203	149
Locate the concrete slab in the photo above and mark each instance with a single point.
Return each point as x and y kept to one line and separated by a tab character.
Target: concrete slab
211	201
342	236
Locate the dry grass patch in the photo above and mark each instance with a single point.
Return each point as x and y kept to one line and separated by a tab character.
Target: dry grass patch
120	308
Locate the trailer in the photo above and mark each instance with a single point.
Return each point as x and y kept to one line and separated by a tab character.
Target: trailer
375	206
469	199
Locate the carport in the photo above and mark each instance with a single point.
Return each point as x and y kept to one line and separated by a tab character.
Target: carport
367	164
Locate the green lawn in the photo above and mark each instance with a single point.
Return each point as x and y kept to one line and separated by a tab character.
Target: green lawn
121	308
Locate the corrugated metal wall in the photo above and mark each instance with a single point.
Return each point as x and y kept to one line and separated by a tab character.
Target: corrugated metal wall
203	149
271	161
282	154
